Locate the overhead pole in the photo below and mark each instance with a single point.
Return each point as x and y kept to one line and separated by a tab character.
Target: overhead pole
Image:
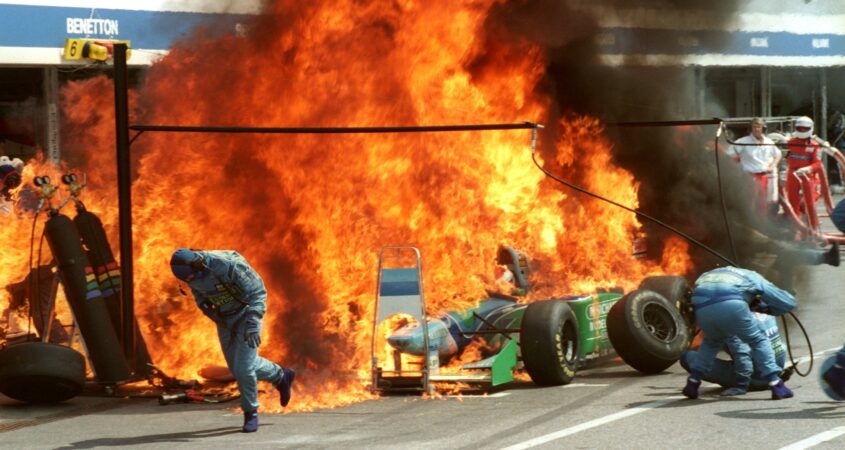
124	195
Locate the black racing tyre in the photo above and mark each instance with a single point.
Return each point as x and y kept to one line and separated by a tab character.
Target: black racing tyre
549	342
676	290
647	331
37	372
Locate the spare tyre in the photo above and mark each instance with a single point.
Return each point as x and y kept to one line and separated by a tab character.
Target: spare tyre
38	372
677	291
549	342
647	331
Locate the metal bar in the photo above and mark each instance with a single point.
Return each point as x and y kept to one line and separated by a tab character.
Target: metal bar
497	330
823	100
52	141
136	136
124	194
765	91
701	90
494	329
332	130
48	326
666	123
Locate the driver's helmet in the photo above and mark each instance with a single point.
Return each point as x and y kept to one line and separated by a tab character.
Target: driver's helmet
503	274
803	127
187	264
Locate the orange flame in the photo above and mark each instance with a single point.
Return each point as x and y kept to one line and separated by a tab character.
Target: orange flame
310	212
676	258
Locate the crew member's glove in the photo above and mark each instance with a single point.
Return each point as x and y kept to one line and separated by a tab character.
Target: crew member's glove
252	330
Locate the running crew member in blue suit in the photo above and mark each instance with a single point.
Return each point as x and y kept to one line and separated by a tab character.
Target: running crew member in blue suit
232	294
723	300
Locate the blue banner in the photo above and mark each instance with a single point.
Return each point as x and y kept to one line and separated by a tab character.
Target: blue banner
643	41
47	26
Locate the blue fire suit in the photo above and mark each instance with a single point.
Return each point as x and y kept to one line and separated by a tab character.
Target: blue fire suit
226	292
838	218
741	369
723	299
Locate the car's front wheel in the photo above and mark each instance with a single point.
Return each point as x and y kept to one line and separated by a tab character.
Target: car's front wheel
549	342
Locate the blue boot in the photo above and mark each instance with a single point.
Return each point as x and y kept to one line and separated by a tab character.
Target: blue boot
780	391
831	257
250	422
691	389
835	378
284	386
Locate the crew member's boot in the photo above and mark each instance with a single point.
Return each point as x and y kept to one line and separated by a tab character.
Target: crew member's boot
835	378
284	385
831	256
250	422
780	391
691	389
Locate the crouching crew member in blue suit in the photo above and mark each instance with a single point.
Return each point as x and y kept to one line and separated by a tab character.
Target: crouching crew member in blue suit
232	294
739	375
724	299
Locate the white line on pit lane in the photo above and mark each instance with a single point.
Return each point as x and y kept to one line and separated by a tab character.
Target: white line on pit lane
584	385
821	437
592	424
816	440
816	354
622	414
496	395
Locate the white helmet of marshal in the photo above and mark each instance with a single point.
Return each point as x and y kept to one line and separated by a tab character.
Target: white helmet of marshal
803	127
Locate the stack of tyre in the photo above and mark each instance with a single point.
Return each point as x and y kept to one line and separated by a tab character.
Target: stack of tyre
40	372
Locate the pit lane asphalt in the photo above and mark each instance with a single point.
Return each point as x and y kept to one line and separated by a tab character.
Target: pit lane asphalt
610	407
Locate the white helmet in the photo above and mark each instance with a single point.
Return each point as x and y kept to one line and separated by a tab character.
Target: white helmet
803	127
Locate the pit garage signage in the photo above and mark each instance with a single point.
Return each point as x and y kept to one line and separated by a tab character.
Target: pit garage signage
101	27
42	32
95	49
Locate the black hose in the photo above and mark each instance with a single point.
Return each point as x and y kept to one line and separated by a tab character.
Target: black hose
693	240
635	211
35	296
32	279
789	347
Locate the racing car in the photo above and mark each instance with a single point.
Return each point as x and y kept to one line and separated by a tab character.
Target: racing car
649	328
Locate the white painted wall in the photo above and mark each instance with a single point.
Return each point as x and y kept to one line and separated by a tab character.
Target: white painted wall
207	6
794	16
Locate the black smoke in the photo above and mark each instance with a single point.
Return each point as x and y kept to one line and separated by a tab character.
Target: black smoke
676	167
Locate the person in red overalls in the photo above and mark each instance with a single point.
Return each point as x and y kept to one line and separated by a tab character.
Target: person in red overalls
804	151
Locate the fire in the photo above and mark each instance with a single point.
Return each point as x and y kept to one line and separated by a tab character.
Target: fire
475	351
310	212
20	235
675	255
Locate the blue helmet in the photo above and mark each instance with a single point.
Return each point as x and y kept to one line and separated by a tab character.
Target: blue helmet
186	264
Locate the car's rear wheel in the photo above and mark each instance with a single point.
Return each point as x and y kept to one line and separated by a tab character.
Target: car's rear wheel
676	290
549	342
38	372
647	331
